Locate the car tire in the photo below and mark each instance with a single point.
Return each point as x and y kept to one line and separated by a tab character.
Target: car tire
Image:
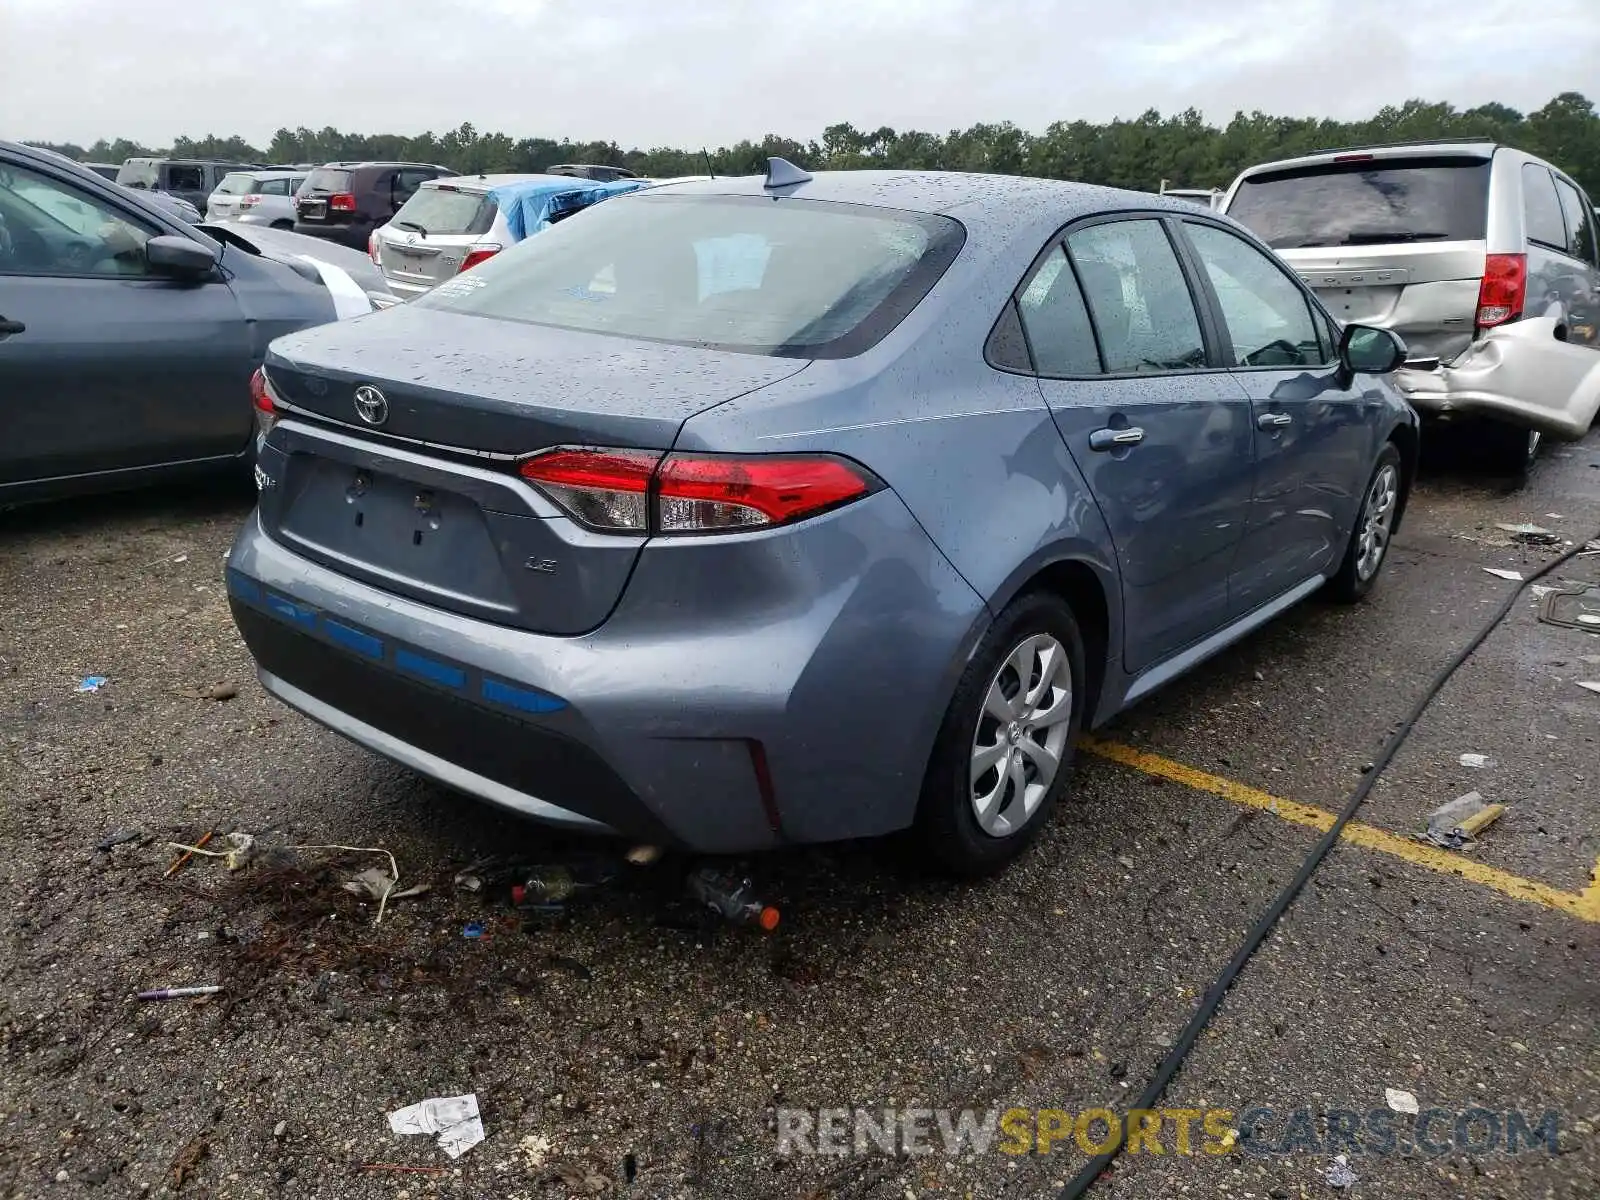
289	225
1368	548
976	826
1510	450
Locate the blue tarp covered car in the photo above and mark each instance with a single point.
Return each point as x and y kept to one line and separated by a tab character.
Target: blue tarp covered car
533	205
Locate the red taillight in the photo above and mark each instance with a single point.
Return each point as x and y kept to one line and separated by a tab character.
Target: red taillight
639	491
372	248
341	202
1353	158
261	397
249	201
474	257
1504	289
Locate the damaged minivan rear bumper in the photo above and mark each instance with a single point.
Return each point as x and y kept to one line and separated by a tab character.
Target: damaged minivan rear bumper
1520	374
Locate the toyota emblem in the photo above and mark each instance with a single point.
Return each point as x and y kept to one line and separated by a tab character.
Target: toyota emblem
371	405
411	239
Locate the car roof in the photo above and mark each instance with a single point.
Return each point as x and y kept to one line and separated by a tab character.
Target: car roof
487	183
1003	202
1469	148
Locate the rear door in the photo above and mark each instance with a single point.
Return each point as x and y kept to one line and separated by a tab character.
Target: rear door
1161	434
1393	241
104	367
1314	429
1583	323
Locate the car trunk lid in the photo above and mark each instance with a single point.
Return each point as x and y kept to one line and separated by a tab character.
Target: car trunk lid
428	503
429	239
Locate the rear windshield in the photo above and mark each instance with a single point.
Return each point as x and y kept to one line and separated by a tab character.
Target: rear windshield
325	180
237	184
446	210
1367	203
139	174
796	278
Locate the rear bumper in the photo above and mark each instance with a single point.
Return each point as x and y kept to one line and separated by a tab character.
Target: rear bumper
804	718
1519	374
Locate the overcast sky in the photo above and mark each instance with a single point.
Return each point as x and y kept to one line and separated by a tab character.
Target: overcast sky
692	72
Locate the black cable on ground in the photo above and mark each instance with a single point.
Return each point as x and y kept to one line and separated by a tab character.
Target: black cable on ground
1212	1000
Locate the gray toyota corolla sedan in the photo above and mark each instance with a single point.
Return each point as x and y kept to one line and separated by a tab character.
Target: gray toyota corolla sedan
759	511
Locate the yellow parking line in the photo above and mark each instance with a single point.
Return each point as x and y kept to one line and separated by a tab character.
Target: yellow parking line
1584	905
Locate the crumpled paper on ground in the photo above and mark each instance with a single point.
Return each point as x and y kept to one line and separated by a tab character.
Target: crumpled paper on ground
454	1118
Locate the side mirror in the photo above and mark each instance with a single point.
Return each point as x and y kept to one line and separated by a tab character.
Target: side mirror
179	257
1366	350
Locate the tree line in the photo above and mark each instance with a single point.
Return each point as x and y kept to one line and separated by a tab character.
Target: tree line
1182	149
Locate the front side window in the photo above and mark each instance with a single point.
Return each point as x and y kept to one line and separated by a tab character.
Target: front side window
1138	297
1580	221
1057	321
1541	208
794	278
50	228
1268	319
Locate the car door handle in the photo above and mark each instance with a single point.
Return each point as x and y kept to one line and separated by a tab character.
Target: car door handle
1111	439
9	327
1271	420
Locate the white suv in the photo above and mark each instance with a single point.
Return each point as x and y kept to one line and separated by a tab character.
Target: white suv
256	198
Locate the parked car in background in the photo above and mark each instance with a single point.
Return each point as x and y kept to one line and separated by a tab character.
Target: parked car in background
451	225
192	180
256	198
766	511
1205	197
1482	257
346	201
128	337
595	171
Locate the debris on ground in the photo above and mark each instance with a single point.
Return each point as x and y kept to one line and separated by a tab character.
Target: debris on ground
187	1160
1339	1175
221	691
552	885
472	929
180	993
177	863
454	1118
1401	1101
731	898
1576	606
535	1149
107	843
581	1177
1501	572
91	683
472	876
1478	761
381	886
643	856
1455	826
1530	535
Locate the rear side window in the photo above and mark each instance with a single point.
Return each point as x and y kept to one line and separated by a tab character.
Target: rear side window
1367	202
1541	208
1056	320
237	184
446	210
274	187
1138	297
186	179
796	278
1580	221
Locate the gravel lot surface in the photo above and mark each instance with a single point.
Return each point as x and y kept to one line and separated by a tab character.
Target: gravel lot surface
628	1048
